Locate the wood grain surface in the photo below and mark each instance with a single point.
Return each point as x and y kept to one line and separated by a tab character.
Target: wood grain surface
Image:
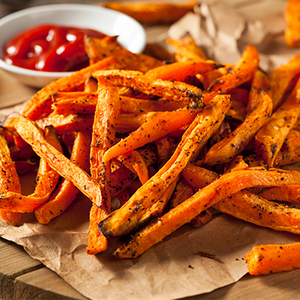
22	277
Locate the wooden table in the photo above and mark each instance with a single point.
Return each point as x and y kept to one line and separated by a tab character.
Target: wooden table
22	277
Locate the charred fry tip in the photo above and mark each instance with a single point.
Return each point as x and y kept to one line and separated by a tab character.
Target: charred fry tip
101	228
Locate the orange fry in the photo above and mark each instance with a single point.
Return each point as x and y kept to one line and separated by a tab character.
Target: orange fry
152	13
103	136
179	71
135	163
290	193
242	72
97	49
85	103
267	259
283	79
257	210
9	180
270	138
159	125
174	90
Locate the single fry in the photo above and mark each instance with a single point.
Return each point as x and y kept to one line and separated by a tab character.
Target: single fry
260	81
103	136
9	181
290	194
186	48
179	71
257	210
292	19
135	163
283	79
267	259
242	72
178	91
159	125
85	103
152	13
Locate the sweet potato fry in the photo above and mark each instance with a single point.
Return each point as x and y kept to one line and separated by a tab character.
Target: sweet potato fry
178	91
165	147
292	19
152	13
127	125
242	72
267	259
74	103
40	104
290	150
103	136
182	192
198	177
66	124
260	81
270	138
98	49
227	184
283	79
157	208
136	164
257	210
290	194
85	103
66	192
159	52
179	71
203	218
233	144
9	180
194	138
159	125
186	48
135	106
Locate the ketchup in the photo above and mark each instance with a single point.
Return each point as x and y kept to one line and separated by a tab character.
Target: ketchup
49	48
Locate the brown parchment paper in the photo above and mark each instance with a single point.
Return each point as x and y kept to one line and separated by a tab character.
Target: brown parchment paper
170	269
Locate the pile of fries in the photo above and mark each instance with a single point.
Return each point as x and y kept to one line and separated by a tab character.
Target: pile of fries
155	145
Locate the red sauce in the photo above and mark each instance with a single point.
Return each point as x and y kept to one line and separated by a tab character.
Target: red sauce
49	48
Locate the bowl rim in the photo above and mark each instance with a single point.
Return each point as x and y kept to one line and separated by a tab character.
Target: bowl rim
53	7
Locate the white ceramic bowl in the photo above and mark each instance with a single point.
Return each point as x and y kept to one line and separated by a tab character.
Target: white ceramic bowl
131	34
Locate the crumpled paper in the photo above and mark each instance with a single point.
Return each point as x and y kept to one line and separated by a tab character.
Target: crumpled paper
223	31
170	269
